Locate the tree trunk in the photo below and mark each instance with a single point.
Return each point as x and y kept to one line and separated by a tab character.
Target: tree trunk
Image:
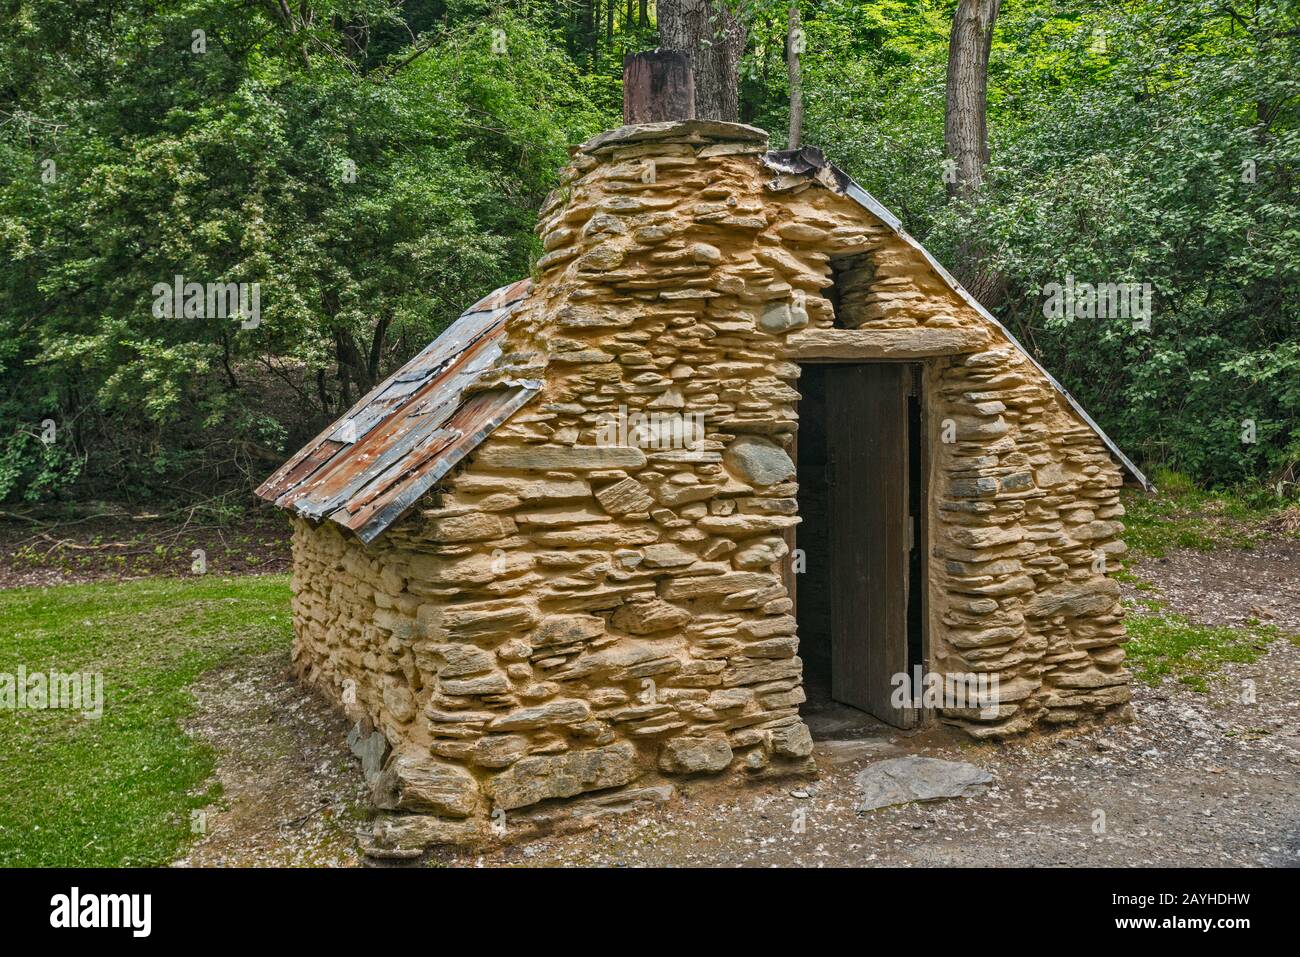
965	128
322	392
376	358
344	368
589	31
644	13
965	131
793	47
714	38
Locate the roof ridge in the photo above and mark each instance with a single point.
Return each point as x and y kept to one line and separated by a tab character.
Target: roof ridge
808	161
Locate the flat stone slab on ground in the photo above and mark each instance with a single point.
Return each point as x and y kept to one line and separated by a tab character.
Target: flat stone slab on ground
904	780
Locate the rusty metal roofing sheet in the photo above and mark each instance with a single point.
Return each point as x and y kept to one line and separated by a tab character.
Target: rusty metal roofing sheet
374	463
809	161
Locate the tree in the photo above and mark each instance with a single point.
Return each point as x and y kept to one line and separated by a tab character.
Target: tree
965	129
965	124
793	47
714	38
367	201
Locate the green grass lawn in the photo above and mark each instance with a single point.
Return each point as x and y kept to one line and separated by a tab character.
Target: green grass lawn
119	790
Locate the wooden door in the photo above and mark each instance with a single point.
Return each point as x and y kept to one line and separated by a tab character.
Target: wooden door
870	532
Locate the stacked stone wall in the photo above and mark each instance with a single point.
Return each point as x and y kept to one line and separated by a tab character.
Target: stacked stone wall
565	616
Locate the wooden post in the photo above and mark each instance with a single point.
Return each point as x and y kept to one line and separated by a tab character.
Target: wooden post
658	87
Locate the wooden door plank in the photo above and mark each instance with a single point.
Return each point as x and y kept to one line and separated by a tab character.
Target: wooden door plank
888	651
866	415
790	535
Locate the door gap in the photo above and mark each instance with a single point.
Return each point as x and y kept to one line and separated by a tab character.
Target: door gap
859	595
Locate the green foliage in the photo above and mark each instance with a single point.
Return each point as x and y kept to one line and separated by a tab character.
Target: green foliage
370	199
118	790
1120	140
42	469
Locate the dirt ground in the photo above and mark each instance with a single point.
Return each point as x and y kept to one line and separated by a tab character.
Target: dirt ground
1231	587
1196	779
106	542
292	792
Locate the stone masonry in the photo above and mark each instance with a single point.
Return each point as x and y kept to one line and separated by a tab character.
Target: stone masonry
563	617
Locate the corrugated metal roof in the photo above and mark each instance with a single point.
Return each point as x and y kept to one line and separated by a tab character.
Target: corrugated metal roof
374	463
809	161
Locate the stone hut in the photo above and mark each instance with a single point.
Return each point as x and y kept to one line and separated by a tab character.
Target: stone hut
738	441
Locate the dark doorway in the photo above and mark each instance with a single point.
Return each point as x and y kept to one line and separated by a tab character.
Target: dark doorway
859	597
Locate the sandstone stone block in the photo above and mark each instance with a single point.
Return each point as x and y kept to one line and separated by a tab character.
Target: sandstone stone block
475	619
715	585
498	750
495	683
407	835
607	535
761	554
674	495
559	515
467	572
688	755
567	629
543	777
411	782
547	458
648	617
624	497
399	702
1075	599
454	660
792	740
625	658
760	671
666	555
471	527
780	317
560	711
